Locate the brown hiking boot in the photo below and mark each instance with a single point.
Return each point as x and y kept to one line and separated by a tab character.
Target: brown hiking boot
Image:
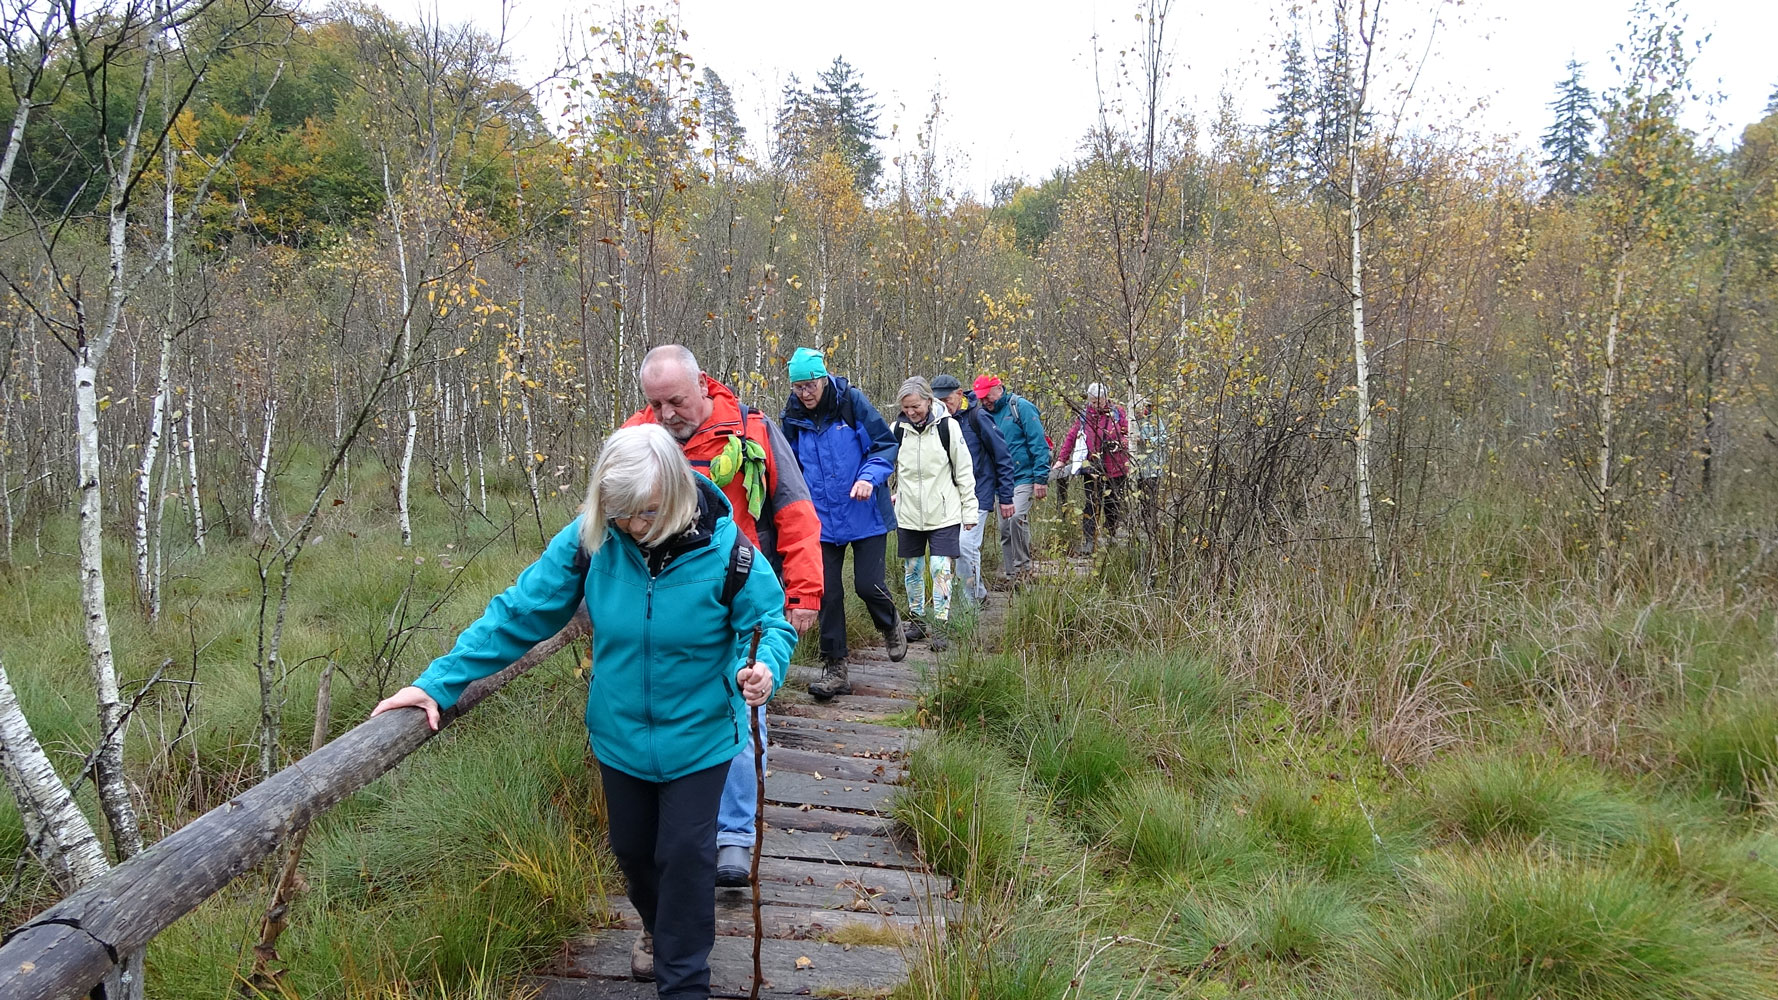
833	681
642	957
896	641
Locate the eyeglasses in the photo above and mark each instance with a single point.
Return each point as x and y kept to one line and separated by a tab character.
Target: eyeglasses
806	387
641	515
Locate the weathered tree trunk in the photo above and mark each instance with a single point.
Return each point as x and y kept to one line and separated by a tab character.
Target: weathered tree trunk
60	953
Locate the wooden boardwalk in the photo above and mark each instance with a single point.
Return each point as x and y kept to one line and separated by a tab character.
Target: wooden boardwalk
846	902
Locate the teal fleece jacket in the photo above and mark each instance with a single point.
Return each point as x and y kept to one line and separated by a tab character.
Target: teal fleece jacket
663	701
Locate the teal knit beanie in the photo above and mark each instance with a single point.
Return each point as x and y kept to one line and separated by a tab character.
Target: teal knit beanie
807	363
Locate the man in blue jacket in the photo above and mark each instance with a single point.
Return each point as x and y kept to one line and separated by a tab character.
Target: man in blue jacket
847	453
994	477
1022	427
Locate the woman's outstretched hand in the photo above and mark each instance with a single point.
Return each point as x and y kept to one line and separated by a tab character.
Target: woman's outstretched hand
756	684
413	697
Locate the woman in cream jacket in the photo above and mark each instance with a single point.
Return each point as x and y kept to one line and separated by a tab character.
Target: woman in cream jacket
934	501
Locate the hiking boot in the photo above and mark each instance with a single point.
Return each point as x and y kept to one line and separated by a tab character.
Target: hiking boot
914	630
642	958
833	681
939	643
734	866
896	640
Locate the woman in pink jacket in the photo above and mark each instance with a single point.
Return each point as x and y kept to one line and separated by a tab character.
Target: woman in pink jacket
1106	429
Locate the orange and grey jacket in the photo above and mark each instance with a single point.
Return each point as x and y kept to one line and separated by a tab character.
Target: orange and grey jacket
744	460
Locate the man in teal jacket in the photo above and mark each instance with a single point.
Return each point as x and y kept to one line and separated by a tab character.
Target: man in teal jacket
1022	427
651	556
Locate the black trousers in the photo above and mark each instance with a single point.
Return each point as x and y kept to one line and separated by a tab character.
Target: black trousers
868	581
664	836
1105	500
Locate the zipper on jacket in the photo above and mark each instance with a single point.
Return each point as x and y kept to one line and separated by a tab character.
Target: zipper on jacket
654	749
727	685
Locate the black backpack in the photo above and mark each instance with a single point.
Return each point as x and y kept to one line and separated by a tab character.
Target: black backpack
740	564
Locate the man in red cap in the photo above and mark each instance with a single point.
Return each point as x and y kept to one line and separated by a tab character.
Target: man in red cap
1022	426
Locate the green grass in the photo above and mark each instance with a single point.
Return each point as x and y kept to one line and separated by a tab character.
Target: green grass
1501	799
1462	787
973	817
1301	920
1313	785
1732	749
1521	928
1323	834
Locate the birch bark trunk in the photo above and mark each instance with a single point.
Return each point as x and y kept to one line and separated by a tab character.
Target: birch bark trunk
191	465
404	470
1608	419
262	470
146	595
1361	437
56	831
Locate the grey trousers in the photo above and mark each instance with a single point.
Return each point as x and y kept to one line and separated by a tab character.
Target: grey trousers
1015	533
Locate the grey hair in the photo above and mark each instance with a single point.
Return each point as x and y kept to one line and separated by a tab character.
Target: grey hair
916	386
636	465
1098	391
678	354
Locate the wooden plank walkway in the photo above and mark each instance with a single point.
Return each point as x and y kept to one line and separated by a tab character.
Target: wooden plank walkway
844	898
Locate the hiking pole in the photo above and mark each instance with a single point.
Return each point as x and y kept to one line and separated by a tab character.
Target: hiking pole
759	817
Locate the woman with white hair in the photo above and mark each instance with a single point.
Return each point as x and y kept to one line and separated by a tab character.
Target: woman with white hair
934	501
653	555
1105	429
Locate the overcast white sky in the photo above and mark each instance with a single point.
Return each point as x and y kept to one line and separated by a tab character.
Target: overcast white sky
1017	79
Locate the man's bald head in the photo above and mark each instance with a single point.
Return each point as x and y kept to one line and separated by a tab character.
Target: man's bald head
673	385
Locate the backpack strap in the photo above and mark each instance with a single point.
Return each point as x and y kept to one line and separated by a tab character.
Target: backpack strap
944	433
740	566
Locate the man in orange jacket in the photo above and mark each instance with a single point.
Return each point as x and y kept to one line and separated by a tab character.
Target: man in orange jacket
746	455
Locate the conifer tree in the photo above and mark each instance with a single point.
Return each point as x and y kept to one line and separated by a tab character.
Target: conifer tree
795	125
720	120
846	115
1568	142
1287	134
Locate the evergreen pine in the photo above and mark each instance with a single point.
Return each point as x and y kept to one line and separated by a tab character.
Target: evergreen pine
1568	143
847	117
721	122
1332	105
1287	134
795	125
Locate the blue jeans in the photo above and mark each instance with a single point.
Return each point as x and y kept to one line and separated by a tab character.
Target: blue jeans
740	795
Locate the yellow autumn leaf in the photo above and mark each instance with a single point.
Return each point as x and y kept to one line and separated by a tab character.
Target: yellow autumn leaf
804	962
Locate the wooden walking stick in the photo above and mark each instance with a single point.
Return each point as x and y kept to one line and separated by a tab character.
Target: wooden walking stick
759	817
